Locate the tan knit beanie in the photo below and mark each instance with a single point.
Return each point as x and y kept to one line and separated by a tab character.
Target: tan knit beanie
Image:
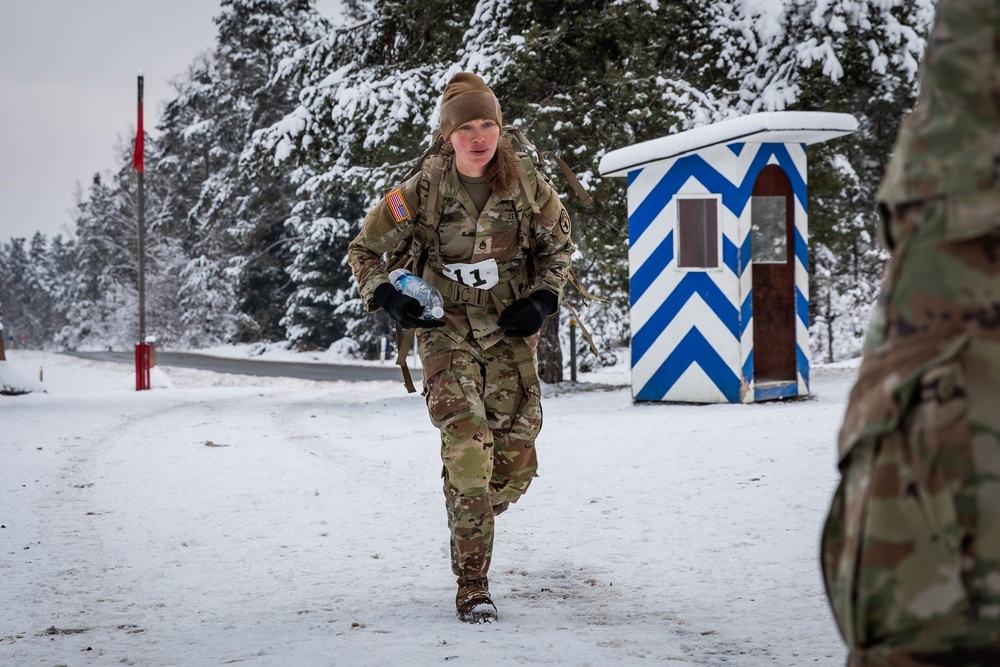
467	98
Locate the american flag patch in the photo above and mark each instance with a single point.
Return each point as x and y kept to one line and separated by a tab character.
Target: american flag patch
397	205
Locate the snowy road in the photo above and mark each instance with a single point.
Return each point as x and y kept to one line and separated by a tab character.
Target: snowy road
301	370
259	521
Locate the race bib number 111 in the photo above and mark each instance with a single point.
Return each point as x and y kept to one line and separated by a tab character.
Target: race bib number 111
481	275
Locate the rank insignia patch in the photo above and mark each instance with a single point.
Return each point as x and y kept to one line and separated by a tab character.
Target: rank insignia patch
398	206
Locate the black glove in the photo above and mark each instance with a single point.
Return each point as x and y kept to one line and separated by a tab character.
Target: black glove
403	309
524	317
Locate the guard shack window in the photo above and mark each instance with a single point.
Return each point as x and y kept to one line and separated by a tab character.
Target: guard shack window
768	223
698	233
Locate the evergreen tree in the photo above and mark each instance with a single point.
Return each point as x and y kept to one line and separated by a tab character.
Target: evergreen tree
368	95
101	298
583	78
857	57
368	92
255	201
322	279
38	284
16	291
31	288
279	139
59	263
309	318
99	270
229	217
188	152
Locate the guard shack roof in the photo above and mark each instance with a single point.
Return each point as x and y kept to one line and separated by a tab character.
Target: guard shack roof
802	127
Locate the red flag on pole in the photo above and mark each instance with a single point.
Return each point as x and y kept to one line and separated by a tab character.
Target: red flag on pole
137	155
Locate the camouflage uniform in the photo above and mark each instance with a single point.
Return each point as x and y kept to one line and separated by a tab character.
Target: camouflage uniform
911	547
481	386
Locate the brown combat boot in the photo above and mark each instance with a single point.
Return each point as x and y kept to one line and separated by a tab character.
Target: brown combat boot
473	603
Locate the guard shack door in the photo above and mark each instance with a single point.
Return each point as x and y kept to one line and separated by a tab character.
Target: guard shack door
773	246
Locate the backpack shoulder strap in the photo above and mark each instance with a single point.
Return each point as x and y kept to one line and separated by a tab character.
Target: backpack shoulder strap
567	173
571	178
404	343
433	149
525	206
434	174
431	165
525	163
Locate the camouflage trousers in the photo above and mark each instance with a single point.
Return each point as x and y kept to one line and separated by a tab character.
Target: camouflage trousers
489	417
911	546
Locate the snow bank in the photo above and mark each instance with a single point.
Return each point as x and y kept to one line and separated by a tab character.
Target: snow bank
15	378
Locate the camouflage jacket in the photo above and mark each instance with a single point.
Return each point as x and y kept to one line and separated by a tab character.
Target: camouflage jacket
911	546
949	146
463	236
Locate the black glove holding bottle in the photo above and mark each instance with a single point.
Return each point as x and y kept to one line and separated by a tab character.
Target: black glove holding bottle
403	309
525	316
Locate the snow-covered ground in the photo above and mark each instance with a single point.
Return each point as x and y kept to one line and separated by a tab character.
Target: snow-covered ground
262	521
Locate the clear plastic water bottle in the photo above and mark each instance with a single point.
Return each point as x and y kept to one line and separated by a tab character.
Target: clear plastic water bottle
421	290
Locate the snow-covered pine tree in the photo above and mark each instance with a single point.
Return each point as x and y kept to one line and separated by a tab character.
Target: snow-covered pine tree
100	266
859	57
38	283
706	62
58	270
368	92
582	78
250	205
16	289
34	281
187	153
100	304
323	284
577	76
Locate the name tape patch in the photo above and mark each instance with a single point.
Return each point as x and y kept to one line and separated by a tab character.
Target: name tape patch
397	205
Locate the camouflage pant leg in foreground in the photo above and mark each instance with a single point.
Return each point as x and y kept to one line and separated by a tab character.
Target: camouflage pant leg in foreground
911	548
488	425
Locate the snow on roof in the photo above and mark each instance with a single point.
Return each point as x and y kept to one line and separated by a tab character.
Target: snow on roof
808	127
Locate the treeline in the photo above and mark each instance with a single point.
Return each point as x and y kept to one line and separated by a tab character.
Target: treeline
277	141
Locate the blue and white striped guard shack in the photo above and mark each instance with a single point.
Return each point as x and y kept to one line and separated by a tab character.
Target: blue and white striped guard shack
718	233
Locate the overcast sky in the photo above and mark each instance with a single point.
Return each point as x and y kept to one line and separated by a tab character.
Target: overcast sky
68	92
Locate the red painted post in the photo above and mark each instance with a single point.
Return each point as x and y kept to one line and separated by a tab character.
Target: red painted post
145	366
141	366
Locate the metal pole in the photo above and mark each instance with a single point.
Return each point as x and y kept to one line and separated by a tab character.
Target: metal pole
142	238
142	264
572	349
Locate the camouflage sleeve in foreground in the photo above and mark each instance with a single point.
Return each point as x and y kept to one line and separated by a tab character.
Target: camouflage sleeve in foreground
381	233
911	546
553	249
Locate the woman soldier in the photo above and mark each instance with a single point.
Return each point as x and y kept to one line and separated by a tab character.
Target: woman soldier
492	235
